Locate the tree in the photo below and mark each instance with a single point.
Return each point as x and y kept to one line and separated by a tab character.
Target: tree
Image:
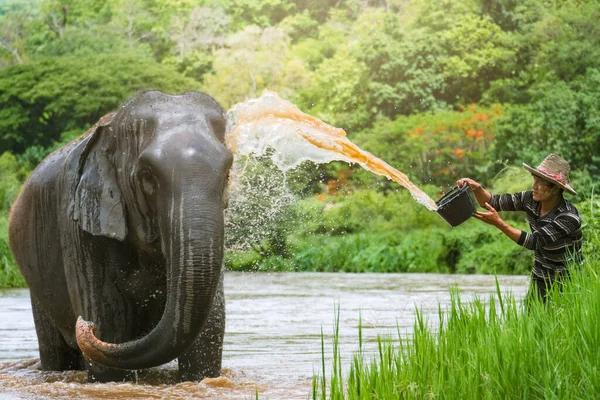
87	42
203	29
133	21
568	40
434	147
59	14
561	118
404	66
300	26
41	100
336	91
263	13
195	38
512	15
13	35
476	52
254	59
11	179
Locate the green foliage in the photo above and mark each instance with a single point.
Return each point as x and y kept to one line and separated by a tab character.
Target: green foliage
8	6
194	65
405	74
195	37
11	179
300	26
436	148
439	15
310	51
340	103
10	277
425	68
484	349
470	249
254	59
477	52
368	231
479	248
83	42
568	39
12	175
15	30
590	216
41	100
259	12
512	179
317	9
561	118
505	13
75	12
365	211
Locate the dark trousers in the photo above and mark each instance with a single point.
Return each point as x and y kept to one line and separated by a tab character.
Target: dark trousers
539	287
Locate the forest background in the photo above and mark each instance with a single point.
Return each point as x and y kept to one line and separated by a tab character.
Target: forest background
440	89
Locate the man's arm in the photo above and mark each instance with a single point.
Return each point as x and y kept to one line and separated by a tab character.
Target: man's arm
494	219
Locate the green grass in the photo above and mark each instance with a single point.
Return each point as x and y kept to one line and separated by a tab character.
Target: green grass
490	349
10	277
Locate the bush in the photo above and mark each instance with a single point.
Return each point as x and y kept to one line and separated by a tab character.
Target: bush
41	100
10	277
472	248
11	179
365	210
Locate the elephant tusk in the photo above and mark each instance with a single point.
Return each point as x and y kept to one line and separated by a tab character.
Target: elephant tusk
88	342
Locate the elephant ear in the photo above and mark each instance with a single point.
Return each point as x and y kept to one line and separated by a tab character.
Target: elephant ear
97	203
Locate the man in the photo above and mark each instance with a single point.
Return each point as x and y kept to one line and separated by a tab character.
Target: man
555	225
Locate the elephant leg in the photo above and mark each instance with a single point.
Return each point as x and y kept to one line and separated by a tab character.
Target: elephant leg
203	358
55	353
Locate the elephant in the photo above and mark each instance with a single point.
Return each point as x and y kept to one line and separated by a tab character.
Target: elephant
120	238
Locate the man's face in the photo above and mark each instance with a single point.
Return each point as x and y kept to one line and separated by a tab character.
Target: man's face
543	190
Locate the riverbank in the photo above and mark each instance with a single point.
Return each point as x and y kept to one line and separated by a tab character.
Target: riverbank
474	248
487	349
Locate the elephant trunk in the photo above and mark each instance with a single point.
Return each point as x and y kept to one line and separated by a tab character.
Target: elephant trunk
192	241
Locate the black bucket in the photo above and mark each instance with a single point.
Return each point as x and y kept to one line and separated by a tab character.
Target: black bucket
456	206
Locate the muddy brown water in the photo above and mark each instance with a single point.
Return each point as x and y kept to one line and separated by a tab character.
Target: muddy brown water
273	335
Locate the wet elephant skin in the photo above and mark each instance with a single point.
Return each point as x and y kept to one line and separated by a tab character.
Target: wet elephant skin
119	236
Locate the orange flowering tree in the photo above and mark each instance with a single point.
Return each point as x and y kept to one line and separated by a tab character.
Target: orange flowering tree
435	147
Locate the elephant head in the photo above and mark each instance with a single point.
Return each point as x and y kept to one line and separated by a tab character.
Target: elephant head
154	174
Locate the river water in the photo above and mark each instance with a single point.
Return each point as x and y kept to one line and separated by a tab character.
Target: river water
273	334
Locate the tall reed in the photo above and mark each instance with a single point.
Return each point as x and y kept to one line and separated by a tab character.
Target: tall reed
494	349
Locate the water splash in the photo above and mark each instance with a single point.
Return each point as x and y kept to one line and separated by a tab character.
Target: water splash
268	121
259	201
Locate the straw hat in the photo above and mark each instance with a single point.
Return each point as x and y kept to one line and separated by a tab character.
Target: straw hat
553	169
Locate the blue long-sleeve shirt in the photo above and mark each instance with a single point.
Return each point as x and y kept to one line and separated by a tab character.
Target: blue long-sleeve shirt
555	237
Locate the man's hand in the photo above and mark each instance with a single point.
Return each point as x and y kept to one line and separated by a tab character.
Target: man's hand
490	217
494	219
473	185
480	193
